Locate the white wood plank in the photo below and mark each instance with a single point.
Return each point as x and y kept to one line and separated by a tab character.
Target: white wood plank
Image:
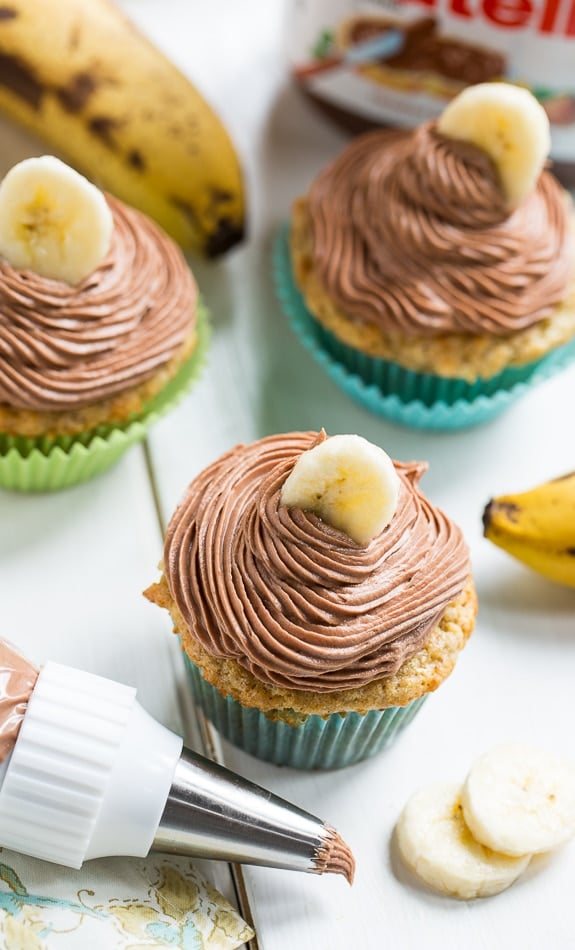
514	679
73	566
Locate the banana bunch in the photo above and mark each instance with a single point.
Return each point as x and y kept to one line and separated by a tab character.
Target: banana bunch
476	839
537	527
78	74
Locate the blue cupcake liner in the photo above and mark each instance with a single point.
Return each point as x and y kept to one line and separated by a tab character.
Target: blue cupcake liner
50	464
421	400
317	743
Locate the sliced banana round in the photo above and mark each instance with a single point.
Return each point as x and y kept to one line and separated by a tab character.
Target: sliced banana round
53	221
348	482
508	123
435	842
518	799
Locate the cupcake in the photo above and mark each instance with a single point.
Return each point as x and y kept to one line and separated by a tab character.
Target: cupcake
318	595
432	271
100	327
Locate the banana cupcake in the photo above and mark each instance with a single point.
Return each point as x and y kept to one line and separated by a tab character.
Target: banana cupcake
432	271
100	328
318	595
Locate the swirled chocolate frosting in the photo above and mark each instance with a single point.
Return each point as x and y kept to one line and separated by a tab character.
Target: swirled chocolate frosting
411	233
64	347
292	599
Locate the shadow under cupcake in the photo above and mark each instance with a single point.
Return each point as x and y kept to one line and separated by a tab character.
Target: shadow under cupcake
314	620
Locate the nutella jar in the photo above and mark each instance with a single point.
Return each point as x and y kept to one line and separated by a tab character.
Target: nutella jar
397	63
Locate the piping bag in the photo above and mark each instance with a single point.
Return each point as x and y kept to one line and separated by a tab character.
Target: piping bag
86	772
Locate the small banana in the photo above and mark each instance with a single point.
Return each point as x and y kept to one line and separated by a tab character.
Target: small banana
509	124
436	843
53	221
517	799
537	527
79	75
348	482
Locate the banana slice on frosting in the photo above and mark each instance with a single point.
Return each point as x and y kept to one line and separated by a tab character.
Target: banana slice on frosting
436	843
519	799
348	482
508	123
53	221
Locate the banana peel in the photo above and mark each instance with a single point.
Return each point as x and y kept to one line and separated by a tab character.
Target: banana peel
79	75
537	527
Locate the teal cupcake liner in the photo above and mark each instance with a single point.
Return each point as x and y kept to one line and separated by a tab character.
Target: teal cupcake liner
45	464
421	400
317	743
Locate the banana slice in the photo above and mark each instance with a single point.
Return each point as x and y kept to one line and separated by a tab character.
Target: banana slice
435	842
518	799
348	482
509	124
53	221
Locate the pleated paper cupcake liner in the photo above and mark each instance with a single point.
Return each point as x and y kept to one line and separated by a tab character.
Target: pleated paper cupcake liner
421	400
44	464
317	743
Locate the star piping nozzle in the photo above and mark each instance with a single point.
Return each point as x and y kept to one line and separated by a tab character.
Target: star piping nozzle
92	775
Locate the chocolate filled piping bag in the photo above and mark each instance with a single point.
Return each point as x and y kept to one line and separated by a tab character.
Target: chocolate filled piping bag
87	773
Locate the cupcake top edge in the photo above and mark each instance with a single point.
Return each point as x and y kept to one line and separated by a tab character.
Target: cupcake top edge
453	227
291	597
66	343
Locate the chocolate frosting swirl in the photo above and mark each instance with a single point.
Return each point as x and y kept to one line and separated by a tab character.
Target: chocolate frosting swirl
292	599
411	233
65	346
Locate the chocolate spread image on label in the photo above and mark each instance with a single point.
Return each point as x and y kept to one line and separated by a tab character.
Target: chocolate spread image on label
342	55
17	680
426	51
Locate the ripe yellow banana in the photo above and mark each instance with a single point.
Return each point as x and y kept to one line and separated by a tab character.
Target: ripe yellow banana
79	75
537	527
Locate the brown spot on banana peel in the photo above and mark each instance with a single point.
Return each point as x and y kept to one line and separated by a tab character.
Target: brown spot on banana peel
136	160
104	126
226	232
494	507
76	93
8	13
17	76
226	235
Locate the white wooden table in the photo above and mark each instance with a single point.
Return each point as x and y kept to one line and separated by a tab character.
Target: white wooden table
73	564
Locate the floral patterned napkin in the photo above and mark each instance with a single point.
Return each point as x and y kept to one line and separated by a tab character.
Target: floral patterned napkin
121	903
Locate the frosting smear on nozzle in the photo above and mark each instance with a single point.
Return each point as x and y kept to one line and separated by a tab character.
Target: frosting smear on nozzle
334	856
17	680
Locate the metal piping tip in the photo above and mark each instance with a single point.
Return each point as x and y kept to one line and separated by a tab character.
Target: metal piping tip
213	813
91	774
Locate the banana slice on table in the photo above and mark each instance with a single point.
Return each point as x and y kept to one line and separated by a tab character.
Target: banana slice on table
519	799
509	124
436	843
348	482
53	221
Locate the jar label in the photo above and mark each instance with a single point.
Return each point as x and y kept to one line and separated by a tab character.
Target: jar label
400	62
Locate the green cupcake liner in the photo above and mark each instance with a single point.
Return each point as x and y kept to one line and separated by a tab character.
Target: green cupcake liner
317	743
421	400
44	464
